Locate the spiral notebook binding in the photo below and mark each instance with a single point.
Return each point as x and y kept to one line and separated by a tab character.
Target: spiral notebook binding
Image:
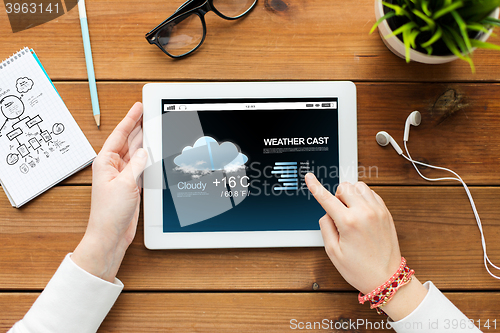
14	57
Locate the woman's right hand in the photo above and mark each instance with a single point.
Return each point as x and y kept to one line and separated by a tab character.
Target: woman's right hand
361	241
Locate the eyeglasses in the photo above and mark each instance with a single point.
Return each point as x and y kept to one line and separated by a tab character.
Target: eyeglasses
185	31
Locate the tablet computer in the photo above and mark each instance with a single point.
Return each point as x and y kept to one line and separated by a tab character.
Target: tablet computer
227	161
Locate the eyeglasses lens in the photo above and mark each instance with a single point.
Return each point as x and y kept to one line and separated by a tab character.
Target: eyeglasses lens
182	35
233	8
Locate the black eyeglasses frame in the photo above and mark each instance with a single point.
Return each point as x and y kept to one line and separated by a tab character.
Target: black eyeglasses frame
190	7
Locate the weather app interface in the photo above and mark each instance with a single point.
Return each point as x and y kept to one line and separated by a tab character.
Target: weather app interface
239	165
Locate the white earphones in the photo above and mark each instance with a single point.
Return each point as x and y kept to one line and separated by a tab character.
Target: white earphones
413	119
383	138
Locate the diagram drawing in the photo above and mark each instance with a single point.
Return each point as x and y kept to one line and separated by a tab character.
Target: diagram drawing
29	138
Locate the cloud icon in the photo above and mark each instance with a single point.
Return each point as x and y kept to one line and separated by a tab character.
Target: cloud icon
207	155
24	84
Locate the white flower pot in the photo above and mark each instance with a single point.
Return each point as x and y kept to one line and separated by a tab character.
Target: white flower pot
398	48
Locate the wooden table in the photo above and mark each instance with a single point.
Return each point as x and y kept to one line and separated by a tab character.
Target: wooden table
249	290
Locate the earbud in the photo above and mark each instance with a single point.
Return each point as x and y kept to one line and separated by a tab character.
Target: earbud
383	138
413	119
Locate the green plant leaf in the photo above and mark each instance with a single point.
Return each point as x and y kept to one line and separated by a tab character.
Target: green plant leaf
406	27
490	21
425	8
430	22
406	41
412	36
451	44
434	38
484	45
471	64
385	17
477	27
400	11
447	9
477	11
453	48
426	22
463	30
459	40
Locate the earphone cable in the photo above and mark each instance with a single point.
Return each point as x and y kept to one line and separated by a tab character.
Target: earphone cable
469	195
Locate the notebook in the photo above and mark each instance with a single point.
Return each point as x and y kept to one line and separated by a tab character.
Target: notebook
40	142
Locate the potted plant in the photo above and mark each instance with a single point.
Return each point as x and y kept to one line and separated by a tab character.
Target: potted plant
436	31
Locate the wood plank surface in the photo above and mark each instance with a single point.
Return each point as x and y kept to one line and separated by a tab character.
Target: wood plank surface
255	312
436	228
459	127
279	40
249	290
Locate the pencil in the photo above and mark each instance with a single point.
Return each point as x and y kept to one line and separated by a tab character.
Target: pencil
89	61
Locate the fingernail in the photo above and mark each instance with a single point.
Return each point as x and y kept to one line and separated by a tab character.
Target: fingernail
310	176
141	153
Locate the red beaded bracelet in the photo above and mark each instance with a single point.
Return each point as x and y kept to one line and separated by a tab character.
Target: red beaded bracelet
384	293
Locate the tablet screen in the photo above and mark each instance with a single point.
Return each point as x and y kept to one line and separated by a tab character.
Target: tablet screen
239	165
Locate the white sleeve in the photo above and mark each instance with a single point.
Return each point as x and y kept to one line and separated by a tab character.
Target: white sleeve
73	301
435	314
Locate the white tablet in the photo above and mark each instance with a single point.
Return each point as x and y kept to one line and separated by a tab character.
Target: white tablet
228	160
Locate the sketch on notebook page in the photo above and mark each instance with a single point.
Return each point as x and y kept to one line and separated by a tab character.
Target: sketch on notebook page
30	139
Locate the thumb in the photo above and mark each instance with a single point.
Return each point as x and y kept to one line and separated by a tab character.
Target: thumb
330	236
135	166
